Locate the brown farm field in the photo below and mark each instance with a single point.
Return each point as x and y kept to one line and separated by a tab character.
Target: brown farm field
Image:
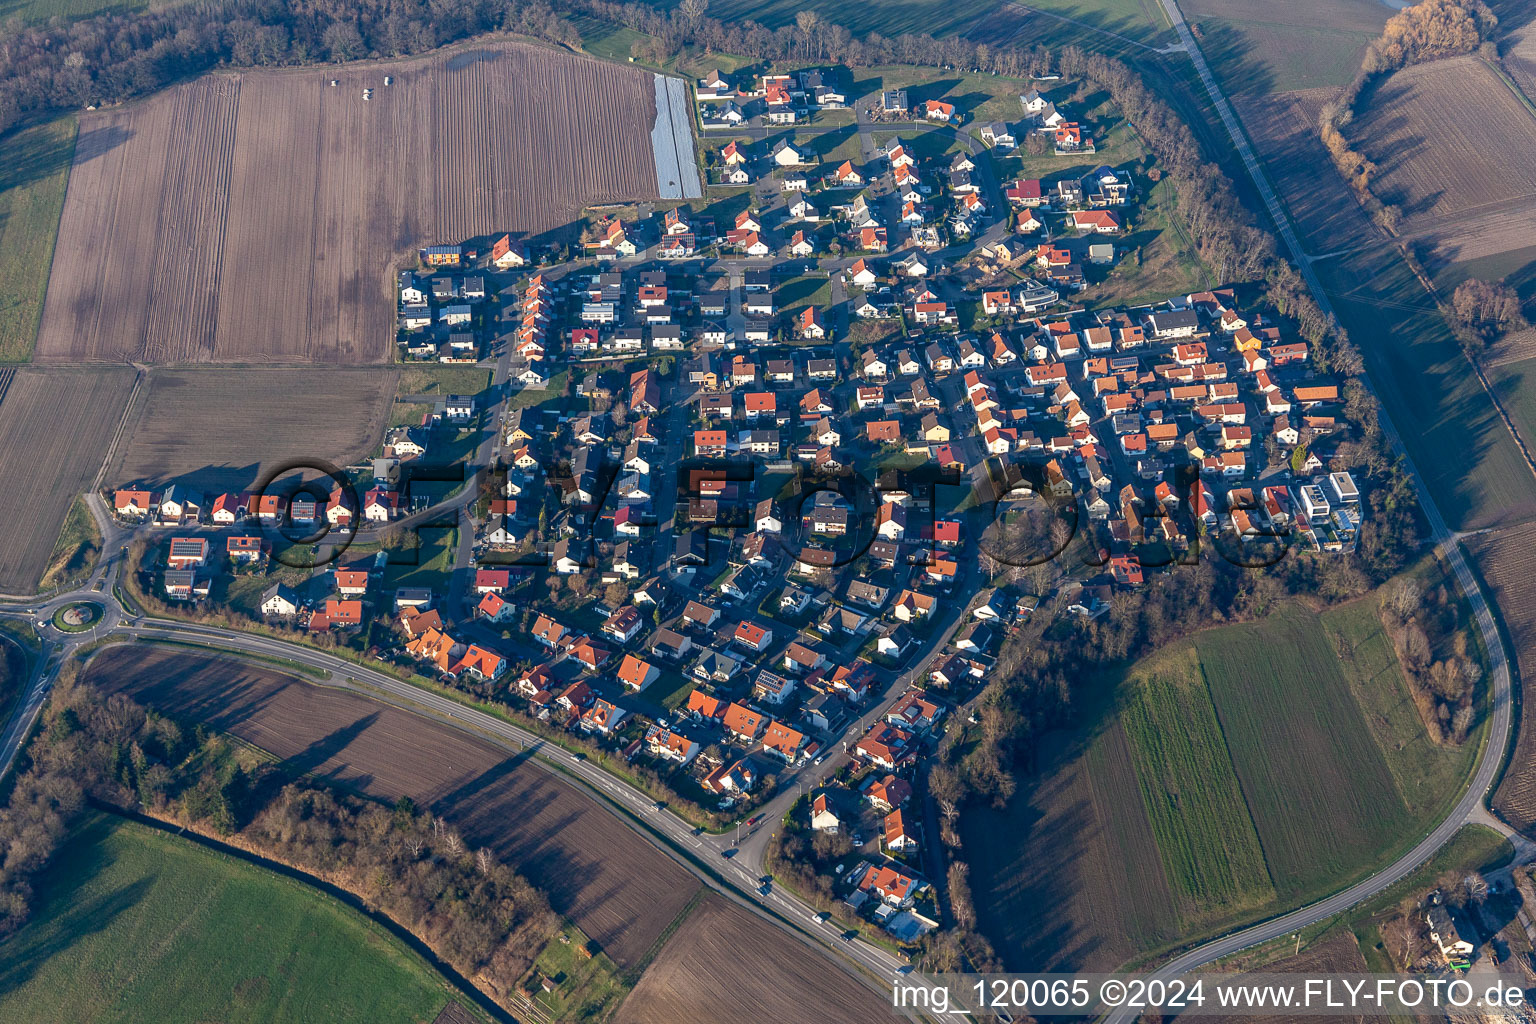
220	429
785	982
617	888
57	426
1452	143
255	217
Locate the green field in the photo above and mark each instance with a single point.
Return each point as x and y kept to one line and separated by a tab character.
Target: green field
887	17
1515	385
1154	261
42	10
1248	770
799	292
1316	782
34	170
1204	833
135	925
1425	774
1258	47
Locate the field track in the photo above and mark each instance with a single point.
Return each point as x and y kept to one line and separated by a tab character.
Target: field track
691	981
255	217
218	429
56	425
616	887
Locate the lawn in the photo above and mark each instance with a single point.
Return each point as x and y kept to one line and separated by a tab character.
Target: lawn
34	170
528	397
136	925
799	292
429	563
1204	833
1153	261
584	987
408	414
75	552
605	39
430	379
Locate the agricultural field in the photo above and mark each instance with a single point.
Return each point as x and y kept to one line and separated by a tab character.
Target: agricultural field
1449	424
887	17
134	925
256	217
1241	764
1335	953
1257	48
1317	784
1504	562
1283	127
1515	385
1425	774
32	11
1084	23
34	169
57	427
1205	835
789	983
1451	143
1061	846
615	887
219	429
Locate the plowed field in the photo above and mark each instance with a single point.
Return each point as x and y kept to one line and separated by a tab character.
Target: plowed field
1452	144
255	217
56	428
616	887
220	429
691	981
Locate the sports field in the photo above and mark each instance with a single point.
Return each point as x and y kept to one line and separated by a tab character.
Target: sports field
134	925
1250	769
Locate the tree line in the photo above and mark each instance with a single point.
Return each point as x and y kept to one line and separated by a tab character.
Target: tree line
1428	30
473	911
